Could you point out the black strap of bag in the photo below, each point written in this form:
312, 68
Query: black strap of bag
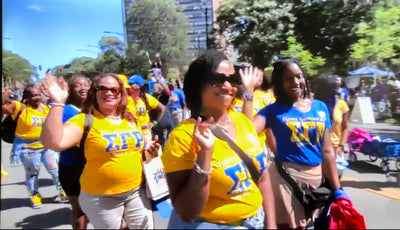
86, 129
221, 134
299, 193
310, 199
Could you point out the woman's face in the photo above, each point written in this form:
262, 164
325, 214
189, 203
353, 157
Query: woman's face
221, 88
80, 89
35, 96
108, 93
293, 81
134, 91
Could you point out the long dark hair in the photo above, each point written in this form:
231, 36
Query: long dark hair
91, 102
196, 77
277, 79
324, 90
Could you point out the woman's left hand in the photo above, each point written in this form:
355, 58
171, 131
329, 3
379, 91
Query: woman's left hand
153, 148
250, 78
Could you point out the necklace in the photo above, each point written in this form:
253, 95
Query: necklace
225, 126
114, 117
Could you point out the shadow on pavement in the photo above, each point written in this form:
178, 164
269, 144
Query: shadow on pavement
375, 185
365, 167
10, 203
46, 220
43, 182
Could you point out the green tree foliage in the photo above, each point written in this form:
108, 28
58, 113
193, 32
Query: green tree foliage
307, 60
327, 29
15, 67
258, 28
379, 42
136, 61
160, 27
111, 43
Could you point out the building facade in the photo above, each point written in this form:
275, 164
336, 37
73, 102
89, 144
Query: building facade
201, 15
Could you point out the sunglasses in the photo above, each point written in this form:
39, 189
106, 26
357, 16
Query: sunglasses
114, 90
218, 79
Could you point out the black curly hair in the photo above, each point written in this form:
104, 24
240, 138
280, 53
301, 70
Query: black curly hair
196, 78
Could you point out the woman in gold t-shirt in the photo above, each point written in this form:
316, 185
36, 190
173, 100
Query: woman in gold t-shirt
111, 181
210, 186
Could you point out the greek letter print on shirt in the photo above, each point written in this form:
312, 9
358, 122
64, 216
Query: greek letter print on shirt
113, 155
300, 133
233, 195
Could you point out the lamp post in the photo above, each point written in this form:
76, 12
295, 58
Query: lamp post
205, 5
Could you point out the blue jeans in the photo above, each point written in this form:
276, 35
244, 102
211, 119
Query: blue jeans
255, 222
31, 159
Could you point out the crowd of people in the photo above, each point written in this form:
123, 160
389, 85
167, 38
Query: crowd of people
221, 159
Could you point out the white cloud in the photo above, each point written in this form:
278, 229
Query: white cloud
35, 7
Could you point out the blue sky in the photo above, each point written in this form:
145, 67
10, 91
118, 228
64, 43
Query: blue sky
54, 32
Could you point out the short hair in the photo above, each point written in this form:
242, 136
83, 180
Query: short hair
196, 78
71, 85
91, 102
277, 79
27, 92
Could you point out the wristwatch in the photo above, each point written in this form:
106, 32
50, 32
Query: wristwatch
248, 97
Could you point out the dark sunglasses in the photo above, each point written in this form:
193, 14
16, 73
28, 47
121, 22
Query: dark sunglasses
114, 90
218, 79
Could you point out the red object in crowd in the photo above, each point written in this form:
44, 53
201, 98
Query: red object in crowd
343, 215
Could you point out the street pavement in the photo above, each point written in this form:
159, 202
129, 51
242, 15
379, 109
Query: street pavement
376, 194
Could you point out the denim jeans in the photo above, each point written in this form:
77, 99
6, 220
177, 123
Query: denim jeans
255, 222
32, 159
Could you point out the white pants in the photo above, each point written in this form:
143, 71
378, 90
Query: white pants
107, 211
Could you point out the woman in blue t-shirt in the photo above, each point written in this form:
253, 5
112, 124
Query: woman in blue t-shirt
297, 133
71, 162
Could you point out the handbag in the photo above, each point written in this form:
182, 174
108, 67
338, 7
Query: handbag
311, 199
156, 180
8, 127
221, 134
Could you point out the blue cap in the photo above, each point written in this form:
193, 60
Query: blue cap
136, 79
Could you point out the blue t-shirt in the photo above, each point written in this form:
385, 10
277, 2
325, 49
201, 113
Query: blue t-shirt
299, 135
68, 156
178, 94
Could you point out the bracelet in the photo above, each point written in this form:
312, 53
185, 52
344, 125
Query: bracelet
199, 170
57, 104
248, 96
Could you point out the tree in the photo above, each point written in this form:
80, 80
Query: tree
113, 44
307, 60
379, 42
160, 27
15, 67
327, 29
136, 61
258, 28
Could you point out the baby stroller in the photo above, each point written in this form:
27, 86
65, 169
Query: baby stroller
375, 147
355, 141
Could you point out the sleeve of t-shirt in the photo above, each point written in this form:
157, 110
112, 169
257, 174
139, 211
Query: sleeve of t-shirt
321, 106
264, 114
78, 120
179, 152
18, 107
68, 113
153, 102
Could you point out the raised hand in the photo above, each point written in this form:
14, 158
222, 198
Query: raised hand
56, 88
203, 135
250, 78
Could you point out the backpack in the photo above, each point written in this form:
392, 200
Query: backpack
8, 126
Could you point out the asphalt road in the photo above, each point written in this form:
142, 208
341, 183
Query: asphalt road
376, 194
